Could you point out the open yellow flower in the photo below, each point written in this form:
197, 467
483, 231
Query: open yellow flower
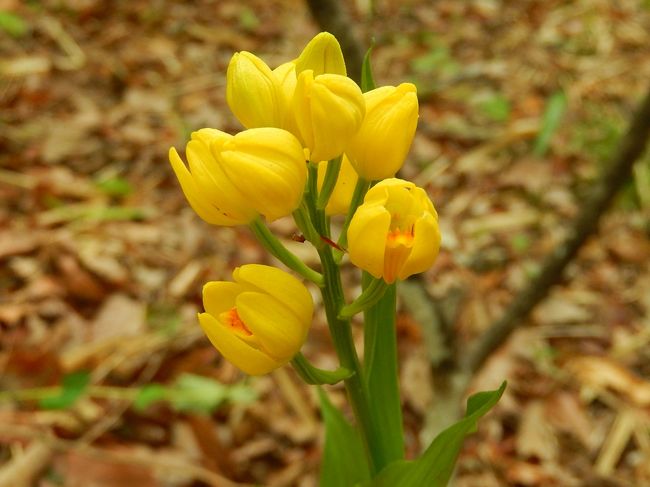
395, 232
260, 321
378, 149
253, 92
232, 179
329, 109
339, 201
322, 55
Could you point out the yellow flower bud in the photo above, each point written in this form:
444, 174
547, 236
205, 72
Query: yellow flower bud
268, 165
322, 55
207, 188
286, 76
260, 321
342, 195
329, 110
379, 148
395, 232
232, 179
254, 93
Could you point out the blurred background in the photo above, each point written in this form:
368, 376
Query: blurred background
105, 376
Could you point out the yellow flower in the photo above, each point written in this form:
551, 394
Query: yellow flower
232, 179
329, 109
253, 92
342, 195
286, 76
260, 321
322, 55
207, 188
379, 148
395, 232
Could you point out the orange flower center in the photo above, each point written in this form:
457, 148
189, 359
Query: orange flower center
233, 320
398, 249
398, 237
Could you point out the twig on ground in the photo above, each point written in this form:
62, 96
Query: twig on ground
585, 224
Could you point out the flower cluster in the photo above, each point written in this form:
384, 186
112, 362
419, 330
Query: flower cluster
313, 145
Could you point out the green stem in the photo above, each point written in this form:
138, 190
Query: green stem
360, 190
331, 175
317, 215
370, 295
355, 385
275, 247
314, 375
303, 222
341, 332
38, 393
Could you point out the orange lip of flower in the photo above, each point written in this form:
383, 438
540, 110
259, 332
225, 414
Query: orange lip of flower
233, 320
398, 237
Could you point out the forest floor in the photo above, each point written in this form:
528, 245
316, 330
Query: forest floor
102, 261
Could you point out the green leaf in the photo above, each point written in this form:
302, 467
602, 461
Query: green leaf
196, 393
367, 81
149, 394
435, 466
380, 368
193, 393
13, 24
72, 387
344, 461
248, 20
115, 187
555, 108
496, 107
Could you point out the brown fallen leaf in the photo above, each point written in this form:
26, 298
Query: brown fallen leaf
604, 373
78, 281
15, 242
565, 412
24, 468
119, 316
536, 437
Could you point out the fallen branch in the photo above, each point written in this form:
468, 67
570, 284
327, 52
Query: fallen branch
585, 224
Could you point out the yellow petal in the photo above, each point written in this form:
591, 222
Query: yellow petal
286, 75
329, 110
281, 286
273, 324
196, 197
322, 55
216, 186
367, 238
220, 296
270, 163
426, 244
208, 136
240, 354
253, 92
381, 145
337, 110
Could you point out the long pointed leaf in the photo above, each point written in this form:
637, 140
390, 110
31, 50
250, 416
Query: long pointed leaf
344, 460
435, 466
367, 81
380, 368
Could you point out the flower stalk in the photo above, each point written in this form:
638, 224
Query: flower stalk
275, 247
